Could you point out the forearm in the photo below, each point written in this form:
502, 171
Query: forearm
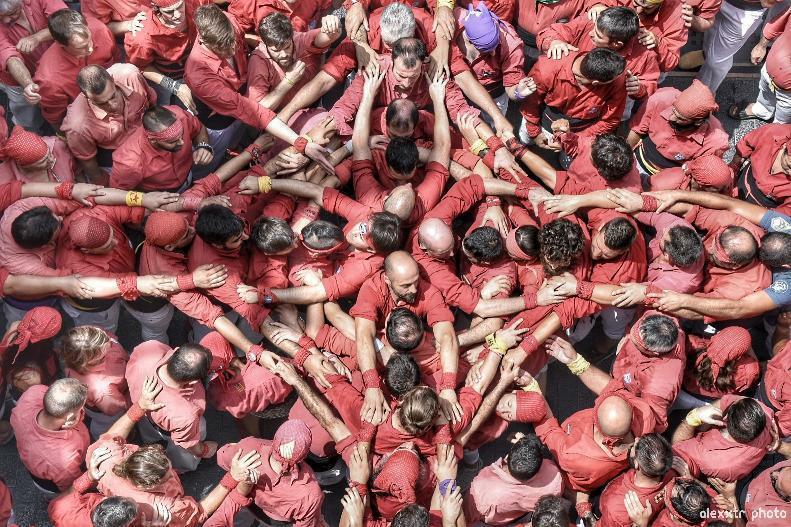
702, 25
683, 432
17, 69
490, 366
476, 334
485, 411
440, 151
232, 334
302, 295
721, 308
365, 332
119, 28
310, 93
499, 307
321, 410
362, 128
281, 130
272, 99
595, 379
633, 138
213, 500
712, 200
153, 75
447, 347
475, 92
342, 321
299, 188
20, 286
540, 168
42, 36
314, 319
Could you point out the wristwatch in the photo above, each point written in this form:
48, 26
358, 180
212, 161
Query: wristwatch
205, 146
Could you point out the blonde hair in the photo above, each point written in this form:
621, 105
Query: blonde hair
145, 468
82, 345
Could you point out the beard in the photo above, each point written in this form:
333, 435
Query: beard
409, 298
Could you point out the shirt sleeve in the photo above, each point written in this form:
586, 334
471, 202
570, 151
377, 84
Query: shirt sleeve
569, 32
780, 289
459, 199
367, 305
230, 506
366, 186
775, 28
342, 61
7, 49
346, 108
429, 191
348, 281
337, 203
259, 78
774, 221
10, 193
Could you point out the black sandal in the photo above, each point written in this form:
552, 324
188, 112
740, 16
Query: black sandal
738, 112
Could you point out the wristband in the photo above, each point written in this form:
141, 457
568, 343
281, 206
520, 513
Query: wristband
301, 142
255, 152
579, 365
135, 413
532, 387
584, 289
264, 184
477, 146
300, 358
306, 343
516, 147
530, 298
190, 202
487, 156
448, 381
176, 87
450, 4
228, 481
649, 302
492, 201
495, 344
205, 146
254, 353
371, 379
583, 509
523, 190
530, 344
134, 199
64, 190
650, 203
204, 451
446, 486
266, 296
692, 418
127, 284
185, 282
494, 143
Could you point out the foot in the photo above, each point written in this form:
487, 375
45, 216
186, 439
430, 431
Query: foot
742, 112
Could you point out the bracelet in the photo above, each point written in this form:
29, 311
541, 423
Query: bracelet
448, 381
264, 184
254, 353
693, 419
532, 387
371, 379
176, 87
579, 365
494, 143
64, 190
185, 282
584, 289
516, 147
167, 83
127, 284
583, 509
495, 344
254, 151
306, 343
301, 142
228, 481
205, 146
135, 413
300, 358
530, 298
134, 199
267, 297
477, 146
650, 203
450, 4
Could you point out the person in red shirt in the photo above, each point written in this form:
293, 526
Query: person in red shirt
587, 89
121, 16
532, 16
155, 156
769, 491
685, 501
78, 43
303, 15
707, 173
286, 60
24, 37
764, 181
31, 158
674, 126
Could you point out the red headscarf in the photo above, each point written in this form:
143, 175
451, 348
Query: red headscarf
530, 407
25, 148
89, 233
636, 339
696, 102
40, 323
165, 228
727, 345
513, 248
710, 171
171, 133
395, 485
291, 445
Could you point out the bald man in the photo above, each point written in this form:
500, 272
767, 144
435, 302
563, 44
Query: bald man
400, 285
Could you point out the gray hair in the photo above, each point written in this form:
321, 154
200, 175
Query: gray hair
398, 21
65, 396
9, 5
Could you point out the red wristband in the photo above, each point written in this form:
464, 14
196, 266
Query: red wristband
204, 452
583, 508
530, 298
191, 202
185, 282
300, 358
516, 147
584, 289
448, 381
488, 159
228, 481
127, 284
650, 203
254, 353
255, 152
135, 413
494, 143
371, 379
300, 143
649, 302
523, 190
83, 483
306, 343
64, 190
492, 201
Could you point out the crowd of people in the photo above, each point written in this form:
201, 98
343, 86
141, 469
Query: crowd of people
395, 267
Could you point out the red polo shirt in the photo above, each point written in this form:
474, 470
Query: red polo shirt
249, 13
761, 146
631, 266
762, 499
533, 16
777, 387
107, 390
252, 389
36, 13
72, 509
107, 11
778, 61
661, 273
611, 502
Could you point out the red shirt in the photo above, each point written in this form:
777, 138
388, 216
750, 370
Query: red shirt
668, 27
533, 16
230, 506
778, 60
57, 71
218, 83
557, 87
777, 386
107, 390
710, 454
108, 11
5, 503
639, 60
631, 266
249, 13
611, 502
183, 407
661, 273
36, 12
138, 165
762, 498
56, 455
761, 146
74, 508
88, 127
583, 177
252, 389
746, 374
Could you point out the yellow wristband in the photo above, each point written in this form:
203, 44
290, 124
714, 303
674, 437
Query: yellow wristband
134, 199
264, 184
496, 345
308, 138
478, 146
450, 4
532, 387
579, 365
693, 419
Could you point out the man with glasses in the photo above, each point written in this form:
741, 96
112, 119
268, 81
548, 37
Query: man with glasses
770, 492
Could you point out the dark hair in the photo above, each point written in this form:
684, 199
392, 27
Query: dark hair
412, 50
190, 362
321, 234
602, 65
214, 27
276, 30
402, 374
659, 333
93, 79
404, 330
745, 419
411, 516
692, 500
684, 246
217, 224
402, 114
157, 118
726, 377
619, 233
386, 235
272, 235
418, 409
484, 244
612, 156
402, 155
550, 511
525, 458
527, 238
654, 455
618, 23
115, 511
731, 240
561, 241
34, 228
775, 249
64, 23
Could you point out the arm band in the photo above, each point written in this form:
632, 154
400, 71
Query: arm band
371, 379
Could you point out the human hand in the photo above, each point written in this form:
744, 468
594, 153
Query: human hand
561, 349
504, 160
31, 94
562, 204
156, 200
444, 25
282, 333
559, 49
496, 216
639, 515
436, 86
151, 389
319, 368
632, 84
209, 276
495, 286
512, 335
629, 295
758, 54
309, 277
323, 132
666, 198
98, 456
626, 201
561, 126
547, 142
331, 26
223, 201
159, 286
359, 464
669, 301
595, 11
525, 88
202, 156
466, 125
289, 161
646, 38
681, 467
447, 464
565, 284
136, 24
449, 405
547, 295
249, 186
319, 154
82, 191
287, 371
27, 44
353, 504
710, 415
294, 72
374, 409
687, 14
247, 293
242, 464
438, 62
450, 504
355, 19
184, 94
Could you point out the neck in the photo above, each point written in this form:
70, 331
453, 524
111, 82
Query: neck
167, 380
641, 480
48, 422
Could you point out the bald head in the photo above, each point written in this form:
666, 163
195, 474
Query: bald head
402, 275
401, 201
401, 117
615, 416
739, 244
65, 396
435, 236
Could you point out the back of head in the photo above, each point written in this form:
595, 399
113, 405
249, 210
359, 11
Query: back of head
618, 23
65, 396
484, 244
402, 154
397, 22
402, 374
144, 468
561, 242
739, 244
550, 511
65, 23
114, 512
217, 224
272, 235
34, 228
411, 516
684, 246
527, 239
659, 333
276, 30
654, 455
214, 27
321, 235
611, 154
401, 201
690, 500
613, 416
404, 330
418, 409
525, 458
190, 362
745, 419
158, 118
602, 65
619, 233
93, 79
401, 115
82, 345
775, 249
386, 235
410, 51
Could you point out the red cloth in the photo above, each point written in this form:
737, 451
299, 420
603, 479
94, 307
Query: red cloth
89, 233
112, 10
631, 266
107, 389
710, 454
351, 272
611, 502
394, 486
253, 389
762, 498
696, 101
533, 16
291, 445
52, 455
88, 127
761, 147
74, 508
639, 60
668, 27
5, 503
557, 87
249, 13
777, 385
778, 60
745, 375
215, 82
64, 169
226, 512
36, 13
57, 71
25, 148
